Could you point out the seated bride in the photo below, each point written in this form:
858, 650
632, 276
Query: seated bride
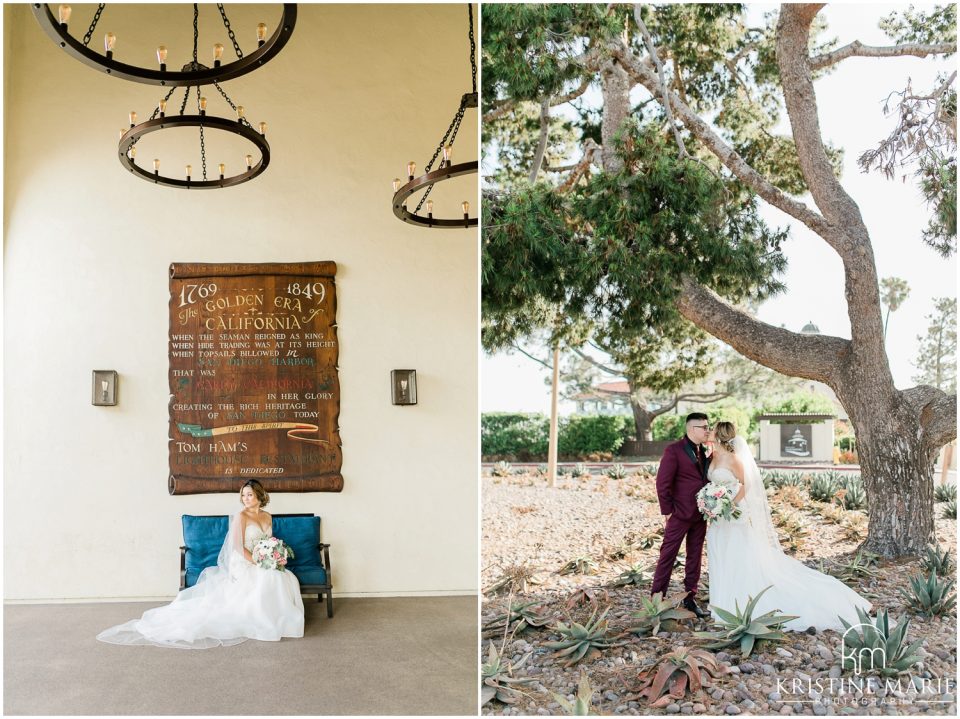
234, 601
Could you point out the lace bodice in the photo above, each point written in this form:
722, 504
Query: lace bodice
722, 475
251, 534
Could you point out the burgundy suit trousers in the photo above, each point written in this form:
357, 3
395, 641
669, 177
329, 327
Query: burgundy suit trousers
695, 530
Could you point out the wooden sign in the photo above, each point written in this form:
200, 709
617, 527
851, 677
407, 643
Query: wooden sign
254, 389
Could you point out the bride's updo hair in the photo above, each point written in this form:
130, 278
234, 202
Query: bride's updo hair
725, 432
258, 490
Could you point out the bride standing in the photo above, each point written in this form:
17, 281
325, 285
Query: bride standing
744, 554
231, 602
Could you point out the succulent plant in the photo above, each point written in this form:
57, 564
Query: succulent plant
832, 513
580, 706
945, 493
854, 526
515, 579
634, 575
950, 509
518, 619
792, 495
579, 470
929, 595
823, 487
651, 539
579, 565
937, 560
581, 641
497, 682
616, 471
656, 611
562, 470
862, 565
667, 681
542, 470
502, 469
778, 479
854, 496
743, 628
587, 595
873, 642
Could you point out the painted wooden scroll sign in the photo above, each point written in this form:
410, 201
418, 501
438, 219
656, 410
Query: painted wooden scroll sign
254, 389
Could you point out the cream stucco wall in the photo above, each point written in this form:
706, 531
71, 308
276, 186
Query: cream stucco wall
358, 91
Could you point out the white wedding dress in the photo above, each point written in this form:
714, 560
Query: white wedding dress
230, 603
744, 556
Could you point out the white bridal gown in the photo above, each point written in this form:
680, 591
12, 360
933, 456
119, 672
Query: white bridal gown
230, 603
744, 556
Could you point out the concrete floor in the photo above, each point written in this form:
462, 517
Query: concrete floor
398, 655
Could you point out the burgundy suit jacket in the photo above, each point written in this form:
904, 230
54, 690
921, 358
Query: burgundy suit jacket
679, 479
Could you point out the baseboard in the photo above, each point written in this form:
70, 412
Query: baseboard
336, 595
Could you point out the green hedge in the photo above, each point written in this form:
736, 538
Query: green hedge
523, 435
582, 434
526, 436
671, 426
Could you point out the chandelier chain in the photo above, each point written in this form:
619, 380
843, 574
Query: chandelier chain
473, 50
196, 35
93, 25
183, 105
203, 145
448, 138
230, 33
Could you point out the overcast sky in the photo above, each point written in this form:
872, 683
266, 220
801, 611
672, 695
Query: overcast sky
851, 117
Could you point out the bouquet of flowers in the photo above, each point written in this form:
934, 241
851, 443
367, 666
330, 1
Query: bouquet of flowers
271, 553
715, 501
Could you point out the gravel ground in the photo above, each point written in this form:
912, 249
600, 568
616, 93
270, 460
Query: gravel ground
530, 531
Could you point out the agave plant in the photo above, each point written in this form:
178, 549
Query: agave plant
518, 618
950, 509
542, 470
616, 471
832, 513
862, 565
634, 575
937, 560
743, 628
945, 493
579, 470
497, 682
579, 565
823, 487
657, 611
591, 596
873, 643
854, 526
668, 679
562, 470
581, 641
929, 595
854, 497
651, 539
502, 469
580, 706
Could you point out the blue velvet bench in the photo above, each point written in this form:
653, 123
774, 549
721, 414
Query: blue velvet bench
203, 537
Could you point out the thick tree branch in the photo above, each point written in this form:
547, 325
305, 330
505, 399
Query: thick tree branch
816, 357
573, 94
726, 154
937, 411
542, 144
849, 236
858, 49
590, 149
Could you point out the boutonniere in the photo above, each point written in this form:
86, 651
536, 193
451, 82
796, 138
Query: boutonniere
708, 449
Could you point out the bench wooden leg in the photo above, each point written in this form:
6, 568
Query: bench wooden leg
329, 604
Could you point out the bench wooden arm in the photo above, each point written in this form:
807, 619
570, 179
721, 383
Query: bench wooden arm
183, 568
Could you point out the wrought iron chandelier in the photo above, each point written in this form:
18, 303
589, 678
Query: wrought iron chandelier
191, 77
445, 170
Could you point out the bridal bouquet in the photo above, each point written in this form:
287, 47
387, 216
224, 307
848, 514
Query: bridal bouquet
715, 501
271, 553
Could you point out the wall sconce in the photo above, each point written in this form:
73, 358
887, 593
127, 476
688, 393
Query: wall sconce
403, 385
104, 387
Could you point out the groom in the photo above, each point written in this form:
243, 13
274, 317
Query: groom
682, 473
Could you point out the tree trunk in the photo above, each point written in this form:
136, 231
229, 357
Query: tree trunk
554, 422
897, 466
642, 419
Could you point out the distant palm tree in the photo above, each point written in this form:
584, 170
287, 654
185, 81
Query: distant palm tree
895, 292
